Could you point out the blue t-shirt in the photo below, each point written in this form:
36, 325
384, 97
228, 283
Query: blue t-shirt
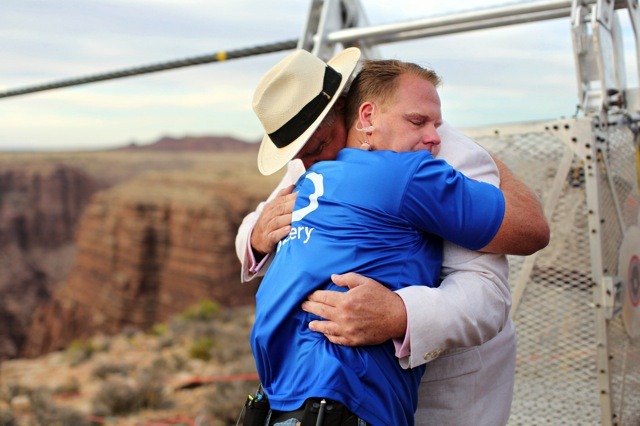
382, 214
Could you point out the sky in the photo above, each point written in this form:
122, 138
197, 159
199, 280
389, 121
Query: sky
503, 75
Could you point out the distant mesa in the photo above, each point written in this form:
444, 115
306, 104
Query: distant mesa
192, 143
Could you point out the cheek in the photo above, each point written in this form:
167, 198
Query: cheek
410, 143
403, 139
383, 139
325, 155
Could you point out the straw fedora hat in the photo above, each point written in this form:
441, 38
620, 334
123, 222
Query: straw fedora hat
293, 98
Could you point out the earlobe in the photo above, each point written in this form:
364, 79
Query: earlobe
368, 129
365, 117
364, 125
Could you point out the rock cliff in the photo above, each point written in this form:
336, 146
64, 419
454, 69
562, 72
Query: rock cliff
40, 205
146, 250
98, 241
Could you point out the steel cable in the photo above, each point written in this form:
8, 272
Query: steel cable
146, 69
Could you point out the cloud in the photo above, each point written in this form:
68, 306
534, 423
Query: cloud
501, 74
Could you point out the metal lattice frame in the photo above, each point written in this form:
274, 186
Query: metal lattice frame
575, 365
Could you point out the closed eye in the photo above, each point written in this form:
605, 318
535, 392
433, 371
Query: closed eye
416, 119
317, 151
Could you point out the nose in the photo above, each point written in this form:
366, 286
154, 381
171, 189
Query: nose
431, 136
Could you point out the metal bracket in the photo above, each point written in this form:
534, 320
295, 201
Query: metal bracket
328, 16
599, 56
612, 296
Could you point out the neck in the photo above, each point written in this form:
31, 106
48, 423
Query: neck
354, 138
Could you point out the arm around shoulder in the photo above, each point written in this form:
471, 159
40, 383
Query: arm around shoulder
524, 228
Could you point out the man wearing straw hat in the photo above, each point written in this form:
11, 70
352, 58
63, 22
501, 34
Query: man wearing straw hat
271, 160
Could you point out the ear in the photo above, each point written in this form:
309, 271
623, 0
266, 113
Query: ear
365, 114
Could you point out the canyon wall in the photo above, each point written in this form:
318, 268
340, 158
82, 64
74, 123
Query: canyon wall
146, 250
40, 205
93, 242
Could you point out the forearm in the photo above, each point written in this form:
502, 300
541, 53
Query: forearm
524, 229
468, 309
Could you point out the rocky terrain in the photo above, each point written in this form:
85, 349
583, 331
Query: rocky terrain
97, 243
196, 369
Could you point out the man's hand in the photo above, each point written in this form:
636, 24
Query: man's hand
367, 314
274, 223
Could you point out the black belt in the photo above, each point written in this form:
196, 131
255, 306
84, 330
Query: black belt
317, 411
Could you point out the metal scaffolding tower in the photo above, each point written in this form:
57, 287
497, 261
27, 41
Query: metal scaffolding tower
576, 303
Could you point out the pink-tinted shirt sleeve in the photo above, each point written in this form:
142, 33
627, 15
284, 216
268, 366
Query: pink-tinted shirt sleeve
253, 266
403, 348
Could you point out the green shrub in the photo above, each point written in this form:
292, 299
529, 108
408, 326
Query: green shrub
6, 416
114, 398
70, 386
9, 390
150, 390
159, 330
104, 370
79, 351
48, 413
118, 397
205, 310
201, 348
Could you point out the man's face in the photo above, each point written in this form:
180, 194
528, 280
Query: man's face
324, 144
410, 120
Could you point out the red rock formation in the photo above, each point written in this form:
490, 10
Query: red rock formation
194, 143
147, 250
40, 204
39, 208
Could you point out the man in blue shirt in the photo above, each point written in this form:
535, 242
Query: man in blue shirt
378, 213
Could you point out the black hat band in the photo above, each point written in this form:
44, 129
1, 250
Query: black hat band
300, 122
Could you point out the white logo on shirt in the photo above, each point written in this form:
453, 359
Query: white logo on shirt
304, 232
318, 185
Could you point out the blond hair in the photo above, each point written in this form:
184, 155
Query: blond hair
378, 82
